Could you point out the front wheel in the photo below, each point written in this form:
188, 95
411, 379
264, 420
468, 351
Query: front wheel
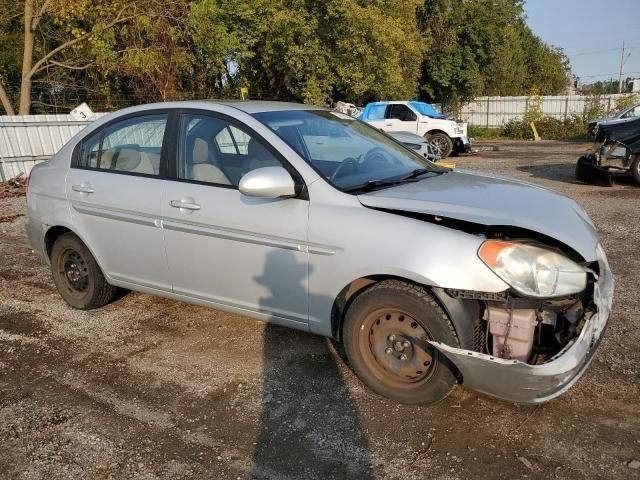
635, 169
386, 336
77, 274
442, 143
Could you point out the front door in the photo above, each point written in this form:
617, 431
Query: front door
242, 253
115, 190
400, 118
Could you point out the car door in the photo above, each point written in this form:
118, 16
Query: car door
400, 118
115, 190
375, 113
242, 253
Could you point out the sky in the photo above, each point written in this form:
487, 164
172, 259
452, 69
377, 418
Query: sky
591, 33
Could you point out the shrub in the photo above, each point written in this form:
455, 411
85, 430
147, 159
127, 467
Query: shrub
549, 128
477, 132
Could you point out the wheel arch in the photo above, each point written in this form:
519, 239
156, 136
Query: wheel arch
437, 130
55, 231
464, 314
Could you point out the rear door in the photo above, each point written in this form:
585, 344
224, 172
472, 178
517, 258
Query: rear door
115, 188
242, 253
400, 118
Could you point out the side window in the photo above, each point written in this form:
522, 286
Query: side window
376, 112
90, 151
401, 112
215, 151
232, 140
134, 145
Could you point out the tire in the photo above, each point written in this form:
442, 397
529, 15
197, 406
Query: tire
77, 275
393, 312
441, 142
635, 169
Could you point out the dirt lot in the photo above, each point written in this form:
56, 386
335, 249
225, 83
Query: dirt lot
152, 388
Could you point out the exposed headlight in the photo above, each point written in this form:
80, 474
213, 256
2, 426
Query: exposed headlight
533, 271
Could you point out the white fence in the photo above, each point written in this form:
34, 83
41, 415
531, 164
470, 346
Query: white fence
496, 111
28, 139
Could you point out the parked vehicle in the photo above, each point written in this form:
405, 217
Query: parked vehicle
311, 219
631, 112
447, 136
615, 152
420, 144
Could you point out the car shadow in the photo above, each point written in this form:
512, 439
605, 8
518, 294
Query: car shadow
560, 172
302, 434
565, 172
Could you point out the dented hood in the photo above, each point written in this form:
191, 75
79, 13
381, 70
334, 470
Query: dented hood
493, 201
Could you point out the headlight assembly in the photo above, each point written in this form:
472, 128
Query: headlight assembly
533, 271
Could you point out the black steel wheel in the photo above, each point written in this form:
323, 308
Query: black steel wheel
77, 276
386, 336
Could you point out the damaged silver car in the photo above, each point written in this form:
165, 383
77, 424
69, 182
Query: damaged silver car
311, 219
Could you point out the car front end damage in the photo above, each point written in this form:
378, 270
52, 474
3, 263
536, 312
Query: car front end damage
614, 153
534, 349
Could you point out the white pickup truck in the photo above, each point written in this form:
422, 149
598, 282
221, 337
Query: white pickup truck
447, 136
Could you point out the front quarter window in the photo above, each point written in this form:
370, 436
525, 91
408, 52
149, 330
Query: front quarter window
347, 152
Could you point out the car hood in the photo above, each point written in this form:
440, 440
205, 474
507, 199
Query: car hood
493, 201
407, 137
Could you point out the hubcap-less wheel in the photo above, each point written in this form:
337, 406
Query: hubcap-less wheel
77, 275
74, 273
396, 348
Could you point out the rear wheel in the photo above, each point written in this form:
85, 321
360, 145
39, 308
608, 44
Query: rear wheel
386, 336
77, 274
442, 143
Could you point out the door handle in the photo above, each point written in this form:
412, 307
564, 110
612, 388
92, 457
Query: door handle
82, 188
388, 124
185, 205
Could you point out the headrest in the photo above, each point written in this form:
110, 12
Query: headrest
126, 159
200, 151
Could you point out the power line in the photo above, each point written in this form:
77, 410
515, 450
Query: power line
595, 52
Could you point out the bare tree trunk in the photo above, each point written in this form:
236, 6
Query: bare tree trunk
4, 100
27, 59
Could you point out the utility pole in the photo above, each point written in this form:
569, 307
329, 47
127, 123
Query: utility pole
621, 67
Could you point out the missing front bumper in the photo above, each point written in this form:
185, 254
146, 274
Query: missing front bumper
520, 382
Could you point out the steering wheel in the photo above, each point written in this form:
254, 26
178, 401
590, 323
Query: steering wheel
343, 164
378, 153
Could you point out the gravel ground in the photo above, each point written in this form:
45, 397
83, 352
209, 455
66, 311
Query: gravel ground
152, 388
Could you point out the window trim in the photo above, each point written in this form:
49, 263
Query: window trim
174, 154
76, 156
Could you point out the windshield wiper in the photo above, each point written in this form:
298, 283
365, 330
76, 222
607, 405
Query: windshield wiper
415, 174
370, 185
388, 182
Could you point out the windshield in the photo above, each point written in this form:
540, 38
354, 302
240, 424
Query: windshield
346, 151
425, 109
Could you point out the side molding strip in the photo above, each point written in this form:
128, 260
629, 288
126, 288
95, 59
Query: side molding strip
120, 215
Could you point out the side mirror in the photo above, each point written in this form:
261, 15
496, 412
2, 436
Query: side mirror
268, 182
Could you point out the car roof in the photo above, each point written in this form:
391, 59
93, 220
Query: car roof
259, 106
247, 106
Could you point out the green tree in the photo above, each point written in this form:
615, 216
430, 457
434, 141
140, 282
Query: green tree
484, 47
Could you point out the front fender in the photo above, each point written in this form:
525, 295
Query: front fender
368, 243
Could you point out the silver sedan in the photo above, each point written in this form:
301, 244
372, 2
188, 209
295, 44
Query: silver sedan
309, 218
